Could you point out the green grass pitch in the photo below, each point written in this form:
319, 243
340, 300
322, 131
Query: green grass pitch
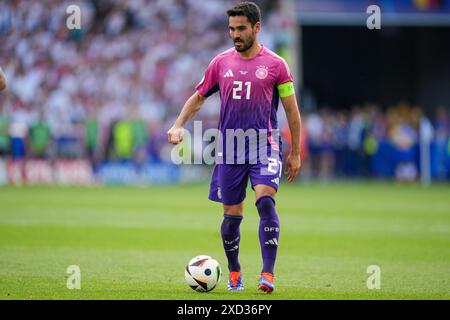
134, 243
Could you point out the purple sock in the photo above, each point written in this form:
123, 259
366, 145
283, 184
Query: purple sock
231, 238
269, 232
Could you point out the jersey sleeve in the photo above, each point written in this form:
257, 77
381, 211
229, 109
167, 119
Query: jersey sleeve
210, 81
285, 80
284, 73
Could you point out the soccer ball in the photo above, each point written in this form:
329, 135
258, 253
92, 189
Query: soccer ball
203, 273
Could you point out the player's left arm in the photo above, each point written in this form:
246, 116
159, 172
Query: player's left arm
289, 101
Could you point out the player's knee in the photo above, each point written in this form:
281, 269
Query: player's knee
265, 205
236, 210
264, 190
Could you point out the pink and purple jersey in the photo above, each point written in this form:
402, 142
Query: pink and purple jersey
249, 90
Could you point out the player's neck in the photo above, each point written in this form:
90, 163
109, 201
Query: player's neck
252, 51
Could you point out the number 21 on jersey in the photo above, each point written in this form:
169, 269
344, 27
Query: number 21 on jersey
237, 89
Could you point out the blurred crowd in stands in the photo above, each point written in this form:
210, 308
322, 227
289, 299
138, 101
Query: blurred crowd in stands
111, 90
370, 141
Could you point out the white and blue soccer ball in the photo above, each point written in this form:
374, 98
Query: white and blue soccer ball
203, 273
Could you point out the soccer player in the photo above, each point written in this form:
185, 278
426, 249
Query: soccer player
2, 80
251, 79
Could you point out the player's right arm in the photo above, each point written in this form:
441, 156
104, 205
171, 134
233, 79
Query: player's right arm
190, 109
207, 86
2, 80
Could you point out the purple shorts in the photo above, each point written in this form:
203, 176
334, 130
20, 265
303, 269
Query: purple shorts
229, 181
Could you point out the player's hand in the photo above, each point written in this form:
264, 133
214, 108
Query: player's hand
175, 135
292, 166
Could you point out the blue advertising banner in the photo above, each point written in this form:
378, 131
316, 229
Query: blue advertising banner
388, 6
393, 12
119, 173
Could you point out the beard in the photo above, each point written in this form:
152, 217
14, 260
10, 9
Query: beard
242, 45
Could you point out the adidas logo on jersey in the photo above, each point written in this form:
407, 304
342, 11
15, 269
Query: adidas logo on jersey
276, 181
229, 74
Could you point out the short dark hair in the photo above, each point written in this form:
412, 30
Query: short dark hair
247, 9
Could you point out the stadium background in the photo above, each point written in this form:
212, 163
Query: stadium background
108, 93
91, 107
